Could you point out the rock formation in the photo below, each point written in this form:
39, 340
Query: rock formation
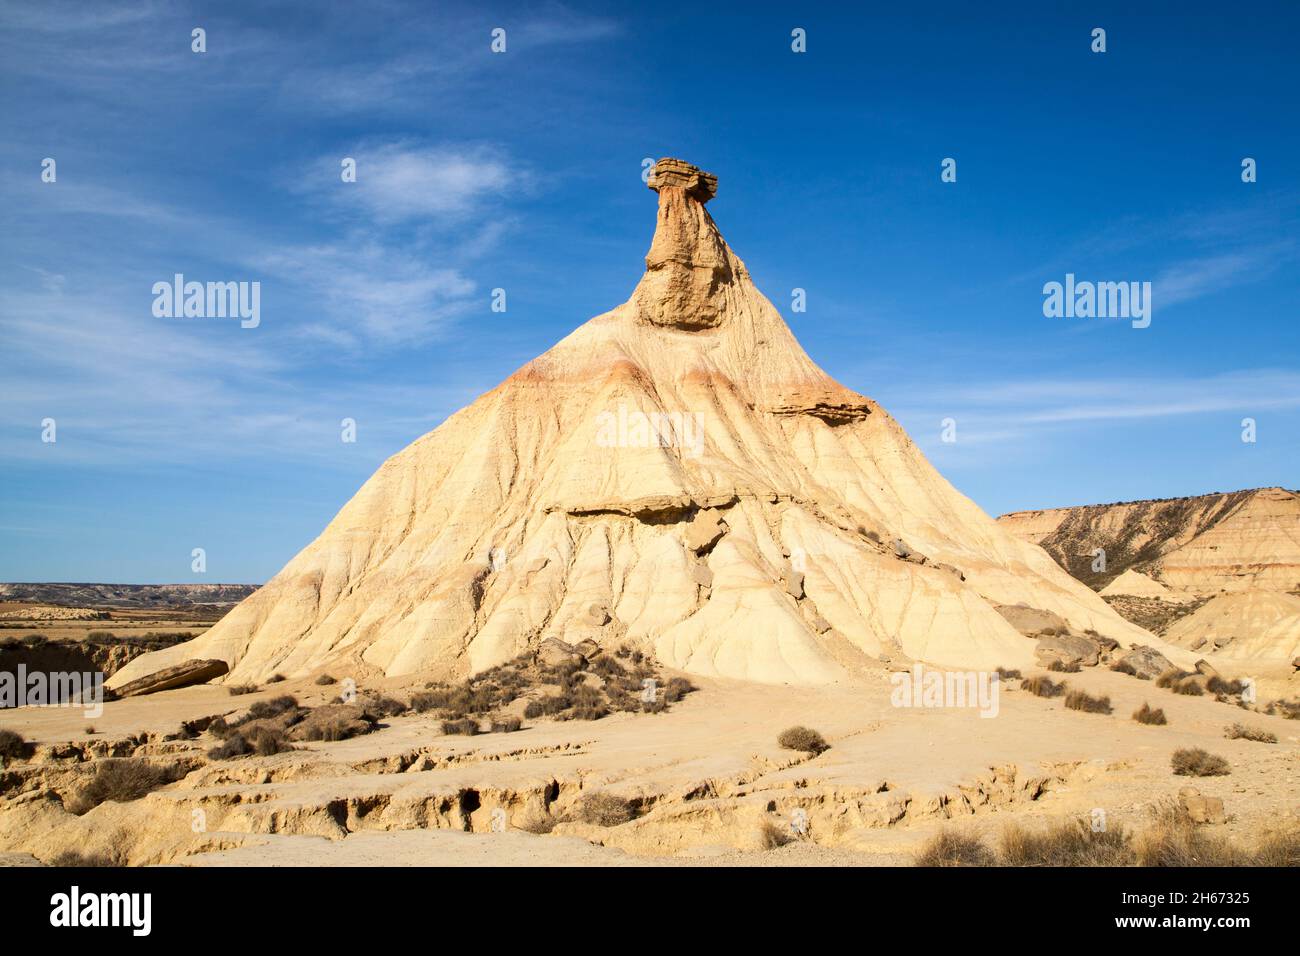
680, 466
1215, 573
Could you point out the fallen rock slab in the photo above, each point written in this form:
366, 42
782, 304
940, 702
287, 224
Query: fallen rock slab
169, 678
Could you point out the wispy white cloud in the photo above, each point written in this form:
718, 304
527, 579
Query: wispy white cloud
400, 181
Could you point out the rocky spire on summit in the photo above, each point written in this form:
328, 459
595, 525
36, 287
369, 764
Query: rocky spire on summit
680, 174
688, 265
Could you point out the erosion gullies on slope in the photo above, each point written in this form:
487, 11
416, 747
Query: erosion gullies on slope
680, 465
1216, 573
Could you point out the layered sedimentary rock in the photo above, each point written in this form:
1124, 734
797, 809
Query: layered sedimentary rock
1219, 573
676, 474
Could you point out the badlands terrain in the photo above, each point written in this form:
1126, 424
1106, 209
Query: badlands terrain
1218, 574
649, 602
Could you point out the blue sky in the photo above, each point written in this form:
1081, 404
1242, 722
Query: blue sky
522, 171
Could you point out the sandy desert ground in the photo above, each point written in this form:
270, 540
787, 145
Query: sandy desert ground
702, 779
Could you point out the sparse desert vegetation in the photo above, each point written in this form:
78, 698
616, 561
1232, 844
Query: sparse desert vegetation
605, 810
13, 746
560, 681
1042, 686
121, 781
950, 848
1170, 839
1146, 714
803, 738
1081, 700
1242, 732
1196, 762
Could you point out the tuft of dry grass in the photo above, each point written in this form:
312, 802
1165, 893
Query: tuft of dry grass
1124, 667
1195, 762
678, 687
276, 679
1190, 687
1171, 839
75, 858
802, 738
1067, 843
605, 810
1242, 732
262, 741
1146, 714
325, 680
1174, 840
771, 836
1061, 667
238, 690
1042, 686
1006, 673
949, 848
506, 725
1080, 700
1172, 677
466, 726
119, 781
266, 709
1217, 685
13, 746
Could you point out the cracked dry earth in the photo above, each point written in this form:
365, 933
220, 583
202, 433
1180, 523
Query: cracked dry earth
702, 778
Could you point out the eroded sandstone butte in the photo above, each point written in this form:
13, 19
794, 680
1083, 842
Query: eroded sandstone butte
676, 473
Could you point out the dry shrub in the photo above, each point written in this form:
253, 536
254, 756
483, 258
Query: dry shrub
1242, 732
1217, 685
1195, 762
75, 858
1042, 686
506, 725
1005, 673
334, 722
1172, 677
1146, 714
1067, 843
262, 741
538, 823
802, 738
1062, 667
678, 687
1124, 667
13, 746
238, 690
1279, 849
234, 745
377, 706
771, 836
1190, 687
466, 726
265, 709
949, 848
276, 679
1080, 700
325, 680
119, 781
1174, 840
605, 810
